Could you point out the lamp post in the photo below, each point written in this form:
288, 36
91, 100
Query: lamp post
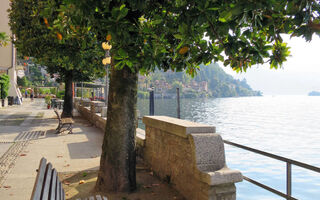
106, 61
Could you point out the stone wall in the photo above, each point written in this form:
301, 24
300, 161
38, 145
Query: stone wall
88, 110
190, 156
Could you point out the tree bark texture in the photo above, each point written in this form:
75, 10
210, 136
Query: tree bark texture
68, 97
118, 159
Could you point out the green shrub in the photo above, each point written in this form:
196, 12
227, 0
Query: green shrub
4, 84
47, 99
22, 91
53, 91
24, 82
60, 94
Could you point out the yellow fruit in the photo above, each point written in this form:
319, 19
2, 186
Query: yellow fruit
46, 22
72, 28
183, 50
59, 36
108, 37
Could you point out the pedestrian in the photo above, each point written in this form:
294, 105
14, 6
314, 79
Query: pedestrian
26, 94
31, 95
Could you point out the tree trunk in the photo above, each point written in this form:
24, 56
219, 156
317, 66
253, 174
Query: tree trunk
68, 97
118, 159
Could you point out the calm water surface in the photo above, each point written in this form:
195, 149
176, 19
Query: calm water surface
284, 125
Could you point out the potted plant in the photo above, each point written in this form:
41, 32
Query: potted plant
47, 99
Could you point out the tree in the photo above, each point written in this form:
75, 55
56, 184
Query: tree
4, 85
180, 35
24, 82
175, 85
71, 52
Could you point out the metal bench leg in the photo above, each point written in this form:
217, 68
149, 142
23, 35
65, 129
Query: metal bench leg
58, 126
58, 129
70, 129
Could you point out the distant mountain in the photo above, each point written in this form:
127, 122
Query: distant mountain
210, 81
314, 93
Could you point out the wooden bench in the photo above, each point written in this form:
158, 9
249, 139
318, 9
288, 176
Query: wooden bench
64, 122
48, 186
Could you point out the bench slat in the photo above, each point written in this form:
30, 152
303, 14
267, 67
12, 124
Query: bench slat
63, 195
53, 185
58, 189
61, 190
36, 193
47, 181
49, 187
98, 197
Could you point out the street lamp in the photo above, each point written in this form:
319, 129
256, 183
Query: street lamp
106, 61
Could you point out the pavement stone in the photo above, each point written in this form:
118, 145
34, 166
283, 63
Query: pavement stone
67, 152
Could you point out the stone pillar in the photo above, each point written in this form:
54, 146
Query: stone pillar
96, 106
191, 157
104, 111
85, 102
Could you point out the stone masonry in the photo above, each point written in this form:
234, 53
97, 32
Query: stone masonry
191, 157
90, 113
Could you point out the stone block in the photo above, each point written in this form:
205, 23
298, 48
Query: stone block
191, 155
77, 99
177, 126
85, 102
95, 106
104, 111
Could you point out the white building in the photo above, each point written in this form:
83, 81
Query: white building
8, 53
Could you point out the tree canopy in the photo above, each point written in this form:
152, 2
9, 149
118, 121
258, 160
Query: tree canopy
39, 37
74, 58
149, 34
183, 34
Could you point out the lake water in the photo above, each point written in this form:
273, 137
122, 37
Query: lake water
284, 125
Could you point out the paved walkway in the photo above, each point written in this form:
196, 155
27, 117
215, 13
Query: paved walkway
27, 134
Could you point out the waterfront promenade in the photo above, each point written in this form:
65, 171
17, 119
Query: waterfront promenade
27, 134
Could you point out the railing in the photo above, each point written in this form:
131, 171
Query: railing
289, 163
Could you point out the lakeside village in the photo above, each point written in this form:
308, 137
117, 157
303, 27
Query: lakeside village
210, 81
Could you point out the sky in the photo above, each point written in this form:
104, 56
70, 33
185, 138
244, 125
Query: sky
299, 75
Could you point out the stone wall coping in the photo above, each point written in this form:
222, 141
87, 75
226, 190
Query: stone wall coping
85, 100
176, 126
98, 103
141, 134
222, 176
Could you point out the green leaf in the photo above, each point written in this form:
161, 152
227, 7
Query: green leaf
225, 16
122, 6
213, 8
122, 53
156, 22
129, 63
178, 36
123, 13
